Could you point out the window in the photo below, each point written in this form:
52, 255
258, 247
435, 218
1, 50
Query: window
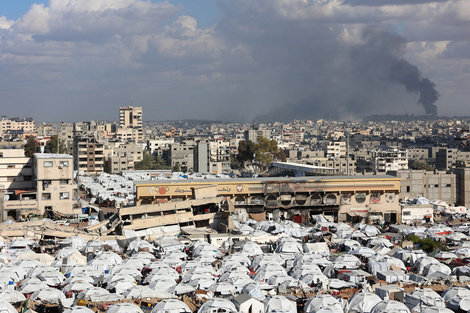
46, 184
11, 166
48, 163
406, 213
64, 163
64, 181
64, 195
28, 178
360, 197
46, 196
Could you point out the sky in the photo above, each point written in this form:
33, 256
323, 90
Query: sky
234, 60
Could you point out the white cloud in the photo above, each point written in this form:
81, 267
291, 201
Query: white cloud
261, 55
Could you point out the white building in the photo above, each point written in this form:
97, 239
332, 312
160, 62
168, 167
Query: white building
386, 159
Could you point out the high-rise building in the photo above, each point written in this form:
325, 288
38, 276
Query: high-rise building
131, 118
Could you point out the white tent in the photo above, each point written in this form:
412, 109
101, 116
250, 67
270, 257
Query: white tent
454, 292
437, 310
215, 304
12, 296
277, 303
124, 308
139, 292
323, 301
78, 309
50, 295
171, 306
247, 304
363, 302
6, 307
390, 306
461, 304
422, 298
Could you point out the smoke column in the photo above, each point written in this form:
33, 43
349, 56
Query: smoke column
401, 71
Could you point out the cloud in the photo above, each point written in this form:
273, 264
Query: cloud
266, 58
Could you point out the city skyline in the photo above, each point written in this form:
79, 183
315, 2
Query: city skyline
232, 60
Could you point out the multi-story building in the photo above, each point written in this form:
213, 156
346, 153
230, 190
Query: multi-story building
254, 134
122, 157
131, 118
446, 158
15, 170
336, 149
159, 144
57, 191
16, 127
181, 155
88, 150
212, 157
386, 159
433, 185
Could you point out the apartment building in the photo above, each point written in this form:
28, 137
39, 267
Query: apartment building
88, 155
212, 157
182, 155
385, 159
446, 157
336, 149
12, 127
131, 118
159, 144
433, 185
88, 150
122, 156
56, 189
16, 171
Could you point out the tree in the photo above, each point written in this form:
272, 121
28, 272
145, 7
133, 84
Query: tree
30, 147
51, 146
151, 162
422, 165
246, 152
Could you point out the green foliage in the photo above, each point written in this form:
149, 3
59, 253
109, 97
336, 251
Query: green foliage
30, 147
263, 153
422, 165
176, 167
427, 244
246, 152
151, 162
51, 146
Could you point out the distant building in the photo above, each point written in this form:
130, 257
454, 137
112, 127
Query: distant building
389, 159
182, 155
336, 149
122, 157
88, 150
15, 127
432, 185
131, 118
254, 134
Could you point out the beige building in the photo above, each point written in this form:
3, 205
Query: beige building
89, 155
56, 189
122, 156
12, 125
131, 118
336, 149
15, 170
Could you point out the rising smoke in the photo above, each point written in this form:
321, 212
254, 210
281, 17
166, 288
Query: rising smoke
373, 78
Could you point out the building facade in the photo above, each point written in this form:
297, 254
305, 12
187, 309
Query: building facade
338, 198
57, 191
131, 118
